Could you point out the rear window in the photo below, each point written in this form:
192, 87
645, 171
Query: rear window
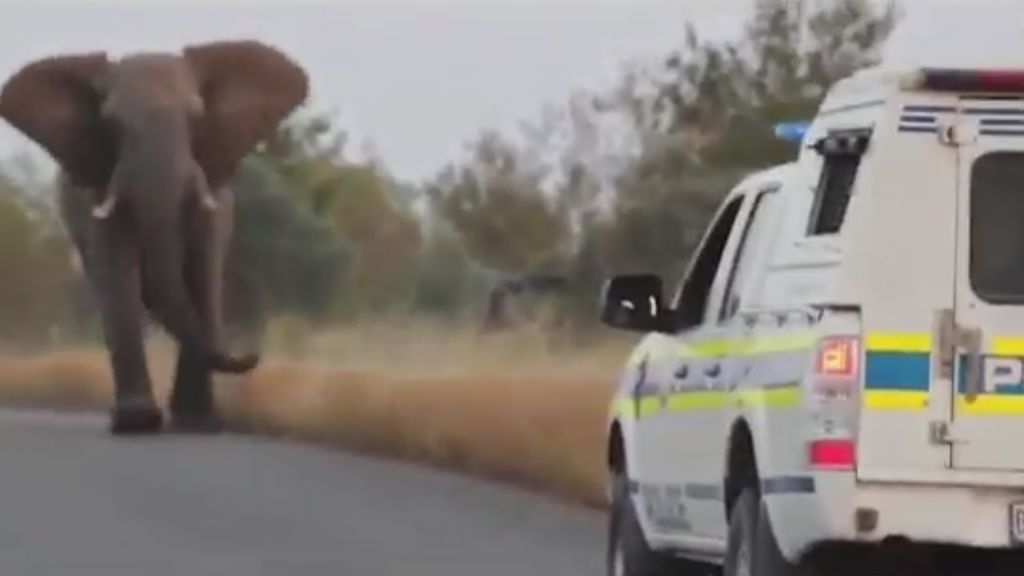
997, 227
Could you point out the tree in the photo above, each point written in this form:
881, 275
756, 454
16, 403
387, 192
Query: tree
712, 114
496, 204
361, 203
283, 259
35, 264
448, 281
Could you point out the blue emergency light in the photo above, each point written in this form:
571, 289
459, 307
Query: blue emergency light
792, 131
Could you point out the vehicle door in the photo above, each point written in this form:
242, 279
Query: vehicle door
692, 386
987, 326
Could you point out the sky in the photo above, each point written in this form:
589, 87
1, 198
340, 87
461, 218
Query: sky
418, 78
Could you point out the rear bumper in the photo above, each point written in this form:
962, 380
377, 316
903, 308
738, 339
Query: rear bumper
950, 516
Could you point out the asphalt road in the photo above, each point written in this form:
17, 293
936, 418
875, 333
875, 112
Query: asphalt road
76, 501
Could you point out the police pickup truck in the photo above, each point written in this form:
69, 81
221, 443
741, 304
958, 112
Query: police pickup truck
838, 382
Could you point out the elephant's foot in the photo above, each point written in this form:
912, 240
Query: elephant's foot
136, 418
234, 364
205, 422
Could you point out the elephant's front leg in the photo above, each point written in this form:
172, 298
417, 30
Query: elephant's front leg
115, 274
192, 403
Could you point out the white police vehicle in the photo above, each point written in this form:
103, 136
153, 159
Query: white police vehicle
838, 383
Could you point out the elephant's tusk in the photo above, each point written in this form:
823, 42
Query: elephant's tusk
103, 211
209, 202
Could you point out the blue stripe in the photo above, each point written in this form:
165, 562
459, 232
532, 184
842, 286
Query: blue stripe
1001, 390
918, 128
898, 371
787, 485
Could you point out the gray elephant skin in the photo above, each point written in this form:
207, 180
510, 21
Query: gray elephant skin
147, 146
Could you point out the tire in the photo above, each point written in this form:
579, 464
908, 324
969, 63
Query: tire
627, 551
752, 549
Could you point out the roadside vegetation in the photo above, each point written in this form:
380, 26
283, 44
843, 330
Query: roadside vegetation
453, 321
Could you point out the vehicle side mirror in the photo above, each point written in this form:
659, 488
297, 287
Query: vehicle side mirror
634, 302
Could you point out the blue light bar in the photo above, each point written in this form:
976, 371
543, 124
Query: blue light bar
792, 131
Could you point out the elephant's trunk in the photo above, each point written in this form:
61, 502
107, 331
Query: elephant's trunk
159, 207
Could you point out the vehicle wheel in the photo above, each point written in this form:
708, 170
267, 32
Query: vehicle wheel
628, 553
752, 549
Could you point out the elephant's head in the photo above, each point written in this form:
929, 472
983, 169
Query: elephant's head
220, 99
148, 128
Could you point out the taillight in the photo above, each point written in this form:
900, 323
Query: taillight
832, 454
833, 405
838, 359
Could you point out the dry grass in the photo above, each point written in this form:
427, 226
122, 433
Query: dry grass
517, 407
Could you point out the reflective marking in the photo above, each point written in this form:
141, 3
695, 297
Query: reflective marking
788, 485
691, 401
707, 492
899, 342
787, 395
992, 404
662, 349
1007, 346
895, 400
789, 343
898, 371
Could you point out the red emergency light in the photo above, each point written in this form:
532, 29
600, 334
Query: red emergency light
991, 81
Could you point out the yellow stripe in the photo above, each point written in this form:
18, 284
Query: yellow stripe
787, 397
922, 342
992, 404
791, 396
691, 401
711, 348
895, 400
626, 407
1007, 346
703, 349
787, 343
899, 341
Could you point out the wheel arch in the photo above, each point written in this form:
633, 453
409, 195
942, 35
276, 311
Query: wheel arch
741, 463
615, 457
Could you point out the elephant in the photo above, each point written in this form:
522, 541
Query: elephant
147, 146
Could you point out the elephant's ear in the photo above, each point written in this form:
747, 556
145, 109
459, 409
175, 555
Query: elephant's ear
248, 88
56, 102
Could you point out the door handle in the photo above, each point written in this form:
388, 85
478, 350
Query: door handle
971, 342
713, 370
950, 339
682, 372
